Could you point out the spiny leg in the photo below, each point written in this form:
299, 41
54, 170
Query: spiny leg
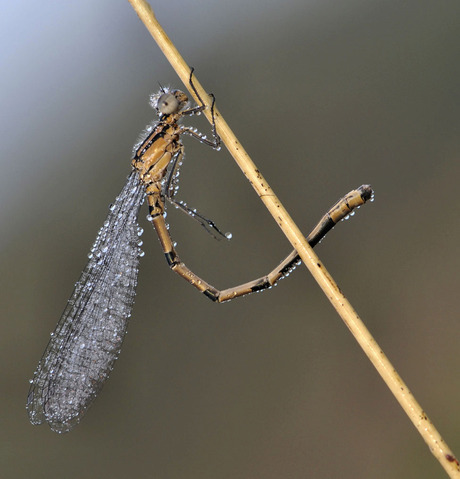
169, 190
340, 210
206, 223
192, 111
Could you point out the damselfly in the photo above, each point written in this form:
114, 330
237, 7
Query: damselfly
87, 340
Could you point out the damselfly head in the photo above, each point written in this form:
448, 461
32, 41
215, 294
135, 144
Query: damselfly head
168, 101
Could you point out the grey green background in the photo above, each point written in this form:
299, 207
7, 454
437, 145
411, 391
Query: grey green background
325, 95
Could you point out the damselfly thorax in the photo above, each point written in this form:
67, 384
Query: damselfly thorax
160, 147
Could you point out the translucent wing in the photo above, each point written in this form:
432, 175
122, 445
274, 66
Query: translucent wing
88, 337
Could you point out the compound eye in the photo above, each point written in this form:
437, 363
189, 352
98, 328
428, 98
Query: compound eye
167, 103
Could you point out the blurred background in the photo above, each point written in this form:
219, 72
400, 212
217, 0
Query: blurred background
325, 96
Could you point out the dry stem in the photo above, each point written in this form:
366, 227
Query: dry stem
407, 401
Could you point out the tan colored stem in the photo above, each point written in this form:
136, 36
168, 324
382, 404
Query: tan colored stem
407, 401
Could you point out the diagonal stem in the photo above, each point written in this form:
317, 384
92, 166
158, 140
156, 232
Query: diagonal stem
405, 398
